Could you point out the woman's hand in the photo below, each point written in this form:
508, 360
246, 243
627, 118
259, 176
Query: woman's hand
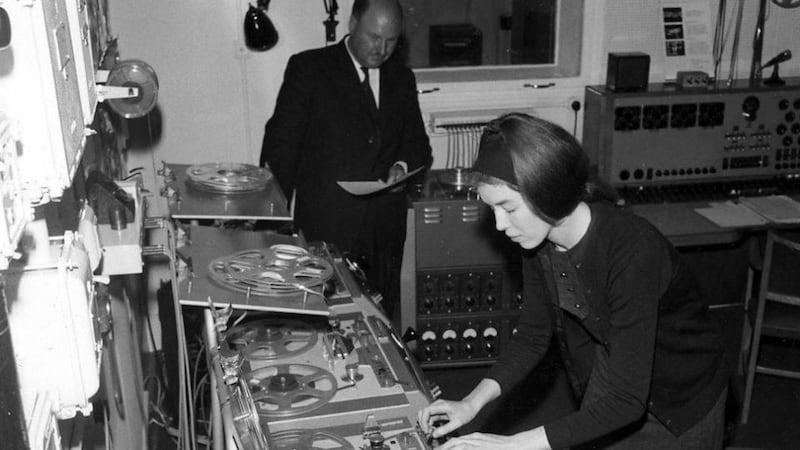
535, 439
454, 414
481, 441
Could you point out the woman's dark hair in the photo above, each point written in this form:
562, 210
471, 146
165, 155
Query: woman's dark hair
550, 169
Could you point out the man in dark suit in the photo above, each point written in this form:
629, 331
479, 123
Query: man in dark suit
349, 112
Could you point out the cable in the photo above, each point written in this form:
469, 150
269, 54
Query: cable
448, 162
719, 37
735, 47
159, 355
575, 106
239, 319
186, 435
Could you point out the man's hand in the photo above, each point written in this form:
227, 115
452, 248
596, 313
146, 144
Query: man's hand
395, 172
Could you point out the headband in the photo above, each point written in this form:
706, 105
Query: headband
494, 159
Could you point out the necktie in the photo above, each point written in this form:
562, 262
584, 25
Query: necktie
367, 88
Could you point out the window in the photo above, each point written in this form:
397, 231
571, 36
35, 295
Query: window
477, 40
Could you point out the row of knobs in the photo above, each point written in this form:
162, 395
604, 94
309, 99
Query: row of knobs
469, 335
450, 301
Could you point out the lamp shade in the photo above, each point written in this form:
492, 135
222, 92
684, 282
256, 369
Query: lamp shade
259, 32
5, 29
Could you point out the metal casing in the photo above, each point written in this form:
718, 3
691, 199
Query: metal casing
669, 136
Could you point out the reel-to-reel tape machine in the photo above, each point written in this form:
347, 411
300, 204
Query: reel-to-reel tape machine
232, 191
260, 271
328, 383
309, 360
343, 381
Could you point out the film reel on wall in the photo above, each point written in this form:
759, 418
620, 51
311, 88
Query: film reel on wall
269, 339
275, 271
287, 390
228, 178
130, 89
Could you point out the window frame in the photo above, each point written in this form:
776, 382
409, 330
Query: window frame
568, 56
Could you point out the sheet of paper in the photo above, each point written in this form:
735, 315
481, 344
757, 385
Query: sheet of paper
731, 214
370, 187
776, 208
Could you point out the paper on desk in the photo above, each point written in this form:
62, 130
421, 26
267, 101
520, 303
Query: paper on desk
776, 208
370, 187
731, 214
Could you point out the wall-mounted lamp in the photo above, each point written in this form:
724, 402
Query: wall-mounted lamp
5, 29
259, 32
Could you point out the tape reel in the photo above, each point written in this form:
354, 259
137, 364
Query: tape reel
228, 178
274, 271
136, 74
269, 339
309, 440
457, 178
286, 390
245, 418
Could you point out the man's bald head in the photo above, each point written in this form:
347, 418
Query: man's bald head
375, 27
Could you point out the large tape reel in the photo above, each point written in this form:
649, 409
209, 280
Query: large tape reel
278, 270
138, 74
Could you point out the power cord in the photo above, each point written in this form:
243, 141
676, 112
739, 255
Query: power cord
575, 106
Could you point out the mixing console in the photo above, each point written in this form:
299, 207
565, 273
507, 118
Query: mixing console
713, 143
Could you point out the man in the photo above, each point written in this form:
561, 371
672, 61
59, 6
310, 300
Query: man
329, 126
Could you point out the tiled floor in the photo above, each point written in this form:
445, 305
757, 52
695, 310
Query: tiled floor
774, 420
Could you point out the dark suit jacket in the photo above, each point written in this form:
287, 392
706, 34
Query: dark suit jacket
324, 131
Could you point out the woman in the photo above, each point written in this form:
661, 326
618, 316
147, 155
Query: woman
642, 352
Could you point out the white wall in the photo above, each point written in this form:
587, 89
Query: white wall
215, 95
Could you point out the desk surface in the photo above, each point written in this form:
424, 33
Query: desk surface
685, 227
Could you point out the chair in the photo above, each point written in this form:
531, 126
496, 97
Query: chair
777, 309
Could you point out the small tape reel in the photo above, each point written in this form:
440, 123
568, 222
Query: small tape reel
135, 74
285, 390
269, 339
228, 178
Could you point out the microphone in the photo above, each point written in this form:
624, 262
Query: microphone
779, 58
